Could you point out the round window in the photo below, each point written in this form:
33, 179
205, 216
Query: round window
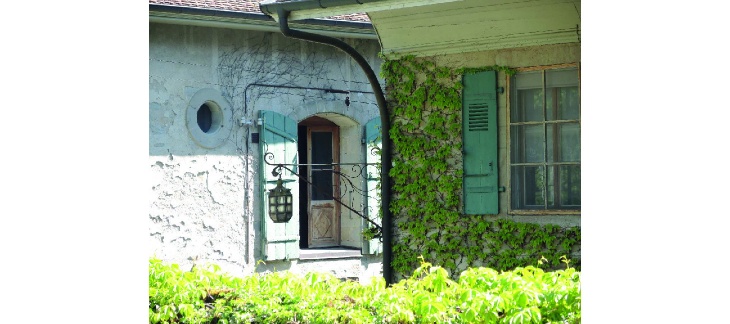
209, 118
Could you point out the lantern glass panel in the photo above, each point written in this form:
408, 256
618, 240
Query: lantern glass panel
280, 203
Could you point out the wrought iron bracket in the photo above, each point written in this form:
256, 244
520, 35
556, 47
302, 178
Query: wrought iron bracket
357, 170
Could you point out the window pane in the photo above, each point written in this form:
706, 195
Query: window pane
551, 143
551, 187
568, 104
565, 139
527, 143
566, 195
562, 94
569, 186
569, 142
322, 182
528, 80
527, 187
514, 145
561, 78
562, 103
528, 106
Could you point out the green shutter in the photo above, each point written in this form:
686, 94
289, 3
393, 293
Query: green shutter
372, 138
480, 143
278, 135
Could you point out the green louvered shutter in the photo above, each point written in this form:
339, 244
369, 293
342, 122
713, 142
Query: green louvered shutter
372, 139
480, 143
278, 135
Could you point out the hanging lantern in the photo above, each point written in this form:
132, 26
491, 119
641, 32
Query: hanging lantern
280, 203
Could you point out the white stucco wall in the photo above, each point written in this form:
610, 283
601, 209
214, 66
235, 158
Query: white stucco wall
204, 201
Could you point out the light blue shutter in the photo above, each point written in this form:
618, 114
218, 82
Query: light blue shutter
278, 135
372, 139
480, 143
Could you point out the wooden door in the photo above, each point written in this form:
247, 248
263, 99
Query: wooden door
324, 211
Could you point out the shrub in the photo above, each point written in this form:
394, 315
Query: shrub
481, 295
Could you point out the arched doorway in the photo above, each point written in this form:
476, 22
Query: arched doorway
319, 148
321, 140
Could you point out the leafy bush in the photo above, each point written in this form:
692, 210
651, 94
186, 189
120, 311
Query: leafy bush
481, 295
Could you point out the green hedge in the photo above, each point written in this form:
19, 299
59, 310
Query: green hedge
481, 295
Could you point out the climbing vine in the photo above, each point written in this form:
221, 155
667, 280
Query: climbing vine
425, 101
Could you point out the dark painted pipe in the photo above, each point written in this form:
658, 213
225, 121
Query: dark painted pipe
385, 131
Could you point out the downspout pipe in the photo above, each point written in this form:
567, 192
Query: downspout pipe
385, 130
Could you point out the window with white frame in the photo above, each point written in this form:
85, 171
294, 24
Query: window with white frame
544, 137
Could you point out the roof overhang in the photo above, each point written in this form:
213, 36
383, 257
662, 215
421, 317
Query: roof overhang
435, 27
312, 9
255, 21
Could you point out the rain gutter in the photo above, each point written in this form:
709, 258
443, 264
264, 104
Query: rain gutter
167, 14
282, 10
271, 8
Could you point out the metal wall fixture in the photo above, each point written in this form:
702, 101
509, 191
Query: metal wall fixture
346, 185
281, 203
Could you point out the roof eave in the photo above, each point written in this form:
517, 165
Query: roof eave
313, 9
254, 21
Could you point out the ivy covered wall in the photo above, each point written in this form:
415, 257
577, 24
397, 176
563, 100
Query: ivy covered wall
424, 99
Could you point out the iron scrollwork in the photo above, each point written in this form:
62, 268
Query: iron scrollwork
346, 185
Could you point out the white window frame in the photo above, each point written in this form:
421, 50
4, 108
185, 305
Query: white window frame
543, 210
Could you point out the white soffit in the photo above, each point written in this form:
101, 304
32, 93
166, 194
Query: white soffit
355, 8
476, 25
